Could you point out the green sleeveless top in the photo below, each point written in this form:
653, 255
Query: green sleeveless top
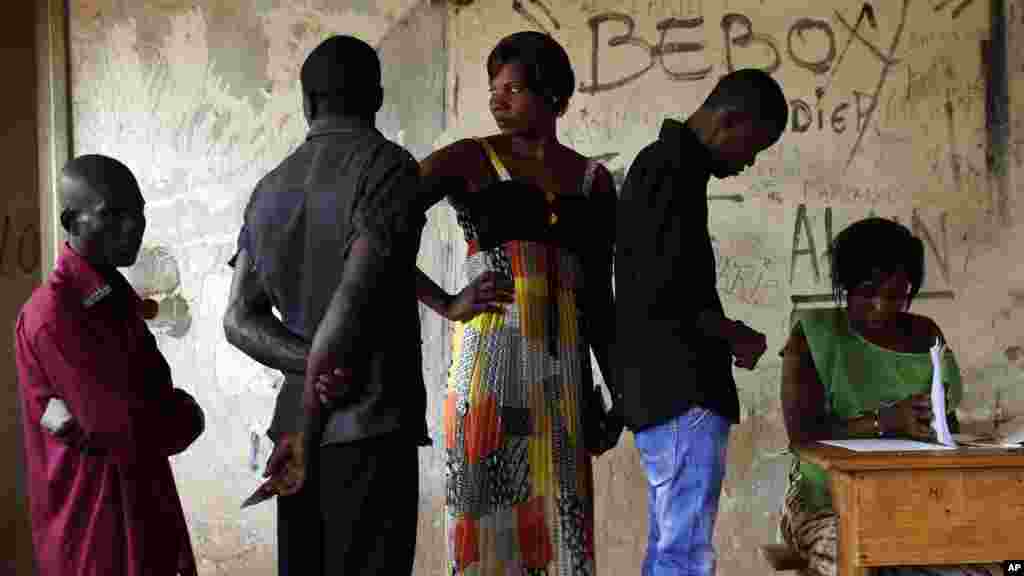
859, 376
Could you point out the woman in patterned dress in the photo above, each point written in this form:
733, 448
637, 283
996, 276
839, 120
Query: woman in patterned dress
863, 370
539, 218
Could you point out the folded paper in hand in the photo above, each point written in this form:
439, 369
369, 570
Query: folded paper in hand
939, 422
56, 416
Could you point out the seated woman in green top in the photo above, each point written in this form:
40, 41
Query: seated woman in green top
860, 371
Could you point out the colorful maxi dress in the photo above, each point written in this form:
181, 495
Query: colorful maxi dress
519, 484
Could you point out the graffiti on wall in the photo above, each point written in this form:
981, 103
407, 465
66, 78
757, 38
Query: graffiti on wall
810, 248
537, 14
751, 273
739, 34
677, 48
748, 275
19, 248
681, 48
958, 7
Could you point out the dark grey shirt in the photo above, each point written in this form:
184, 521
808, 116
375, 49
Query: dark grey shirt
344, 181
664, 278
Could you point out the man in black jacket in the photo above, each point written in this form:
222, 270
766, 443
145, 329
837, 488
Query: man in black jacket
330, 241
675, 344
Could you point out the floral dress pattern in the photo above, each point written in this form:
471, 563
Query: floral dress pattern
519, 479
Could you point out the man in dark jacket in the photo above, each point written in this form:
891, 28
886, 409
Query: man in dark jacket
330, 241
675, 344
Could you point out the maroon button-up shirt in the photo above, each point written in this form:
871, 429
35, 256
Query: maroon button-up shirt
112, 508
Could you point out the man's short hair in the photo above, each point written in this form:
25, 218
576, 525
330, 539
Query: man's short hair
89, 178
545, 64
101, 174
345, 72
754, 92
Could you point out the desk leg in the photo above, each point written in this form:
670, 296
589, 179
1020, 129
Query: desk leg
844, 500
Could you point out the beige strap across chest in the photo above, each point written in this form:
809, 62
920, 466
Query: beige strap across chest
503, 173
499, 167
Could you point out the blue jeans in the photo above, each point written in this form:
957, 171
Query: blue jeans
684, 459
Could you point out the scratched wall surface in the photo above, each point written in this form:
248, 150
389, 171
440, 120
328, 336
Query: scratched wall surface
899, 108
200, 99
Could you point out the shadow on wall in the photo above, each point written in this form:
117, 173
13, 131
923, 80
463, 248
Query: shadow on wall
156, 275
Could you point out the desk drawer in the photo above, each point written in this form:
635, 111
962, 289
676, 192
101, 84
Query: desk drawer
942, 516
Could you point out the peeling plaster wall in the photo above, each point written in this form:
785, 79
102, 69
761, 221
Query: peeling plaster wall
894, 113
200, 99
891, 114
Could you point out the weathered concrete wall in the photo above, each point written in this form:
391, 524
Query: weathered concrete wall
896, 112
893, 113
200, 99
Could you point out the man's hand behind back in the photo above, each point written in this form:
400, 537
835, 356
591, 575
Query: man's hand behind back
331, 388
286, 466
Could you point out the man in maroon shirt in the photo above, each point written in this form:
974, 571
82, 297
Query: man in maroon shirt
101, 416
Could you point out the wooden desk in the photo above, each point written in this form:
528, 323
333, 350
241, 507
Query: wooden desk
961, 506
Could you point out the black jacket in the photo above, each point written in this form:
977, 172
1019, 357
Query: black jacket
664, 278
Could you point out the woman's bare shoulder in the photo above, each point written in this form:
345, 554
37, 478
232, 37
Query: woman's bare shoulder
796, 343
460, 149
460, 158
923, 329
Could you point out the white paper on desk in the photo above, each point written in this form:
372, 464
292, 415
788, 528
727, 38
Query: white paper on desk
885, 445
939, 423
1013, 433
1011, 436
975, 441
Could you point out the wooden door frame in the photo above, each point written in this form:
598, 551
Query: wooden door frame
55, 129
